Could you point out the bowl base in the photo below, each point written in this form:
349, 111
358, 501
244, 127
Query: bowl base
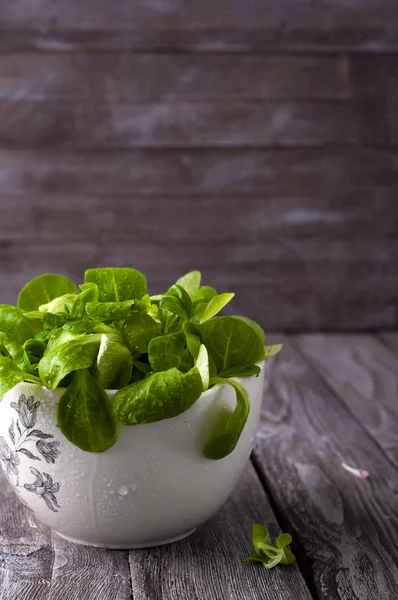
177, 538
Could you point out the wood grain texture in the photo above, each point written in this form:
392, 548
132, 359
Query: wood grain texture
175, 125
346, 525
124, 78
209, 565
291, 284
372, 214
375, 84
41, 24
26, 558
222, 171
364, 375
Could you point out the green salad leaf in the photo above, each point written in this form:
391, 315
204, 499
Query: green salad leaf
85, 414
159, 352
41, 290
270, 553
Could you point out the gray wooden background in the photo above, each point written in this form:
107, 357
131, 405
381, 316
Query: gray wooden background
254, 140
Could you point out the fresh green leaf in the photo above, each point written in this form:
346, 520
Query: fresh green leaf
85, 414
165, 352
117, 284
89, 293
192, 338
284, 539
204, 294
138, 330
82, 326
199, 311
58, 305
178, 292
272, 350
187, 361
173, 305
43, 289
223, 441
260, 536
231, 341
160, 396
190, 282
202, 364
62, 359
114, 364
11, 375
253, 325
17, 325
241, 371
192, 386
268, 553
215, 305
109, 311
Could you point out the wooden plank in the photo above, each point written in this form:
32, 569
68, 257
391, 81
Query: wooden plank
344, 523
89, 573
222, 171
224, 26
209, 565
364, 374
288, 274
124, 78
26, 557
175, 125
372, 214
391, 340
375, 83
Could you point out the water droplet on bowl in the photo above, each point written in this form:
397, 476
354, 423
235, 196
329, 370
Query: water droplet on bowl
123, 490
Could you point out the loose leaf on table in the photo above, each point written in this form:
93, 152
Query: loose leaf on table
11, 375
215, 305
109, 311
241, 371
226, 434
70, 356
114, 364
160, 396
232, 341
190, 282
270, 553
202, 364
85, 414
165, 352
43, 289
16, 325
117, 284
138, 330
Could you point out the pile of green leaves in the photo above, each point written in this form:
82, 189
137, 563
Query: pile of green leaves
160, 352
270, 553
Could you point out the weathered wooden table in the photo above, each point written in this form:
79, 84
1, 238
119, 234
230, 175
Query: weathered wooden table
332, 399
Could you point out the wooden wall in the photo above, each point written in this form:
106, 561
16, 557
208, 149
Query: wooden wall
254, 140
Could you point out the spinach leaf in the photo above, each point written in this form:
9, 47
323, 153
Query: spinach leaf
43, 289
253, 325
215, 305
190, 282
82, 326
192, 386
114, 364
59, 305
69, 356
178, 292
85, 414
89, 294
272, 350
241, 371
226, 435
160, 396
109, 311
117, 284
138, 330
187, 361
192, 338
270, 553
11, 375
172, 305
204, 294
231, 341
165, 352
17, 326
202, 364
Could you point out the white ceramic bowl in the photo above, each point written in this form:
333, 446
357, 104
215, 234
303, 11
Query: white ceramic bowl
152, 487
